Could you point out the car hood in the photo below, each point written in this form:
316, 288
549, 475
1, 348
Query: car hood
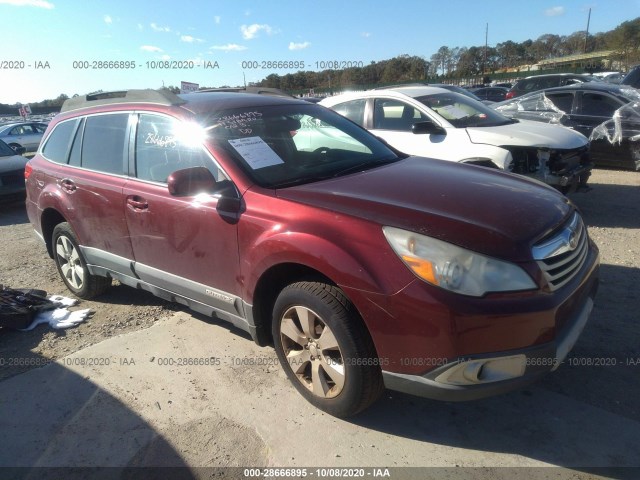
15, 162
525, 133
499, 214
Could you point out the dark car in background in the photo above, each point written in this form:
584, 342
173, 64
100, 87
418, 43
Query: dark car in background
608, 114
493, 94
540, 82
632, 78
12, 165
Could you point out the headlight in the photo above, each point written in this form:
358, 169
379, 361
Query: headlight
453, 268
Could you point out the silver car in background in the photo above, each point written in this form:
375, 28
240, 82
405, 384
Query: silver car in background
23, 134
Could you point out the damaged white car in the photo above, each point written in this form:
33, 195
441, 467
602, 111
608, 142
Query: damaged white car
437, 123
608, 114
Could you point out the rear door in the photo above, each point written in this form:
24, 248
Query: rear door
592, 109
89, 179
187, 245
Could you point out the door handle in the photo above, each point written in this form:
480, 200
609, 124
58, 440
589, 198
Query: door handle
68, 185
137, 203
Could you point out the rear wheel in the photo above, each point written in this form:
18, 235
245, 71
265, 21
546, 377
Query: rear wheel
325, 349
72, 266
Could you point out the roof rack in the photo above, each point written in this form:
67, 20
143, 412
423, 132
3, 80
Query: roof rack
160, 97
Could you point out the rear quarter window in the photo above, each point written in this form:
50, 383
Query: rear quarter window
57, 145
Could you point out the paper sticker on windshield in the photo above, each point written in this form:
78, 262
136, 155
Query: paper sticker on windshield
256, 152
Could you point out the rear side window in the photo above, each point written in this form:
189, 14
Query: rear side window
57, 147
103, 146
353, 110
563, 101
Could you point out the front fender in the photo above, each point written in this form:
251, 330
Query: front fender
347, 266
500, 157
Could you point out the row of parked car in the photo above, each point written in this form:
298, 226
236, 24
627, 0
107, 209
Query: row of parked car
608, 115
17, 139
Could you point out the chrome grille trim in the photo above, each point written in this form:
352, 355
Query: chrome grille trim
561, 257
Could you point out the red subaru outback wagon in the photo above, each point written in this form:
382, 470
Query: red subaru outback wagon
364, 267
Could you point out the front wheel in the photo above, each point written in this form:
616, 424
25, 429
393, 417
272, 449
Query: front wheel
325, 349
72, 266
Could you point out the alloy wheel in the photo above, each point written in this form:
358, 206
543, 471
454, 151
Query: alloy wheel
69, 262
312, 351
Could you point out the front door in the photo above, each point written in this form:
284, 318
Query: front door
183, 244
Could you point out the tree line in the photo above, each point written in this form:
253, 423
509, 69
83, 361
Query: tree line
446, 63
461, 62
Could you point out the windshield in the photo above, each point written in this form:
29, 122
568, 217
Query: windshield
6, 150
287, 145
461, 111
631, 94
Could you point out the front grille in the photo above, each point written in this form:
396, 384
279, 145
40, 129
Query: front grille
561, 256
529, 160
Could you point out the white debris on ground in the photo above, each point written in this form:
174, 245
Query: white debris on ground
61, 317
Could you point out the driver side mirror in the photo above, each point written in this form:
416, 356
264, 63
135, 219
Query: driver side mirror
427, 126
195, 180
191, 181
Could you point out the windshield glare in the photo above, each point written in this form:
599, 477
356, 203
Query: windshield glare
461, 111
288, 145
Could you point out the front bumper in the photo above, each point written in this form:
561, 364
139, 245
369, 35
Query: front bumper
479, 376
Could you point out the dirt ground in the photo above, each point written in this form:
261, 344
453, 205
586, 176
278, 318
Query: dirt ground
611, 210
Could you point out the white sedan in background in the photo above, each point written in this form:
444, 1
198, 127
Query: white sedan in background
438, 123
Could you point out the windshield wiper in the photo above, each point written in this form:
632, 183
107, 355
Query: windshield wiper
366, 165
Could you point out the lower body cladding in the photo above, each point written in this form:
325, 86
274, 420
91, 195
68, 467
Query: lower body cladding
198, 297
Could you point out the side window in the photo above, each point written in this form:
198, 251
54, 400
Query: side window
353, 110
563, 101
394, 115
529, 85
104, 142
315, 135
160, 151
57, 145
598, 105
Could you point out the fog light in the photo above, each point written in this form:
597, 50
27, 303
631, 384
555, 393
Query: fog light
485, 370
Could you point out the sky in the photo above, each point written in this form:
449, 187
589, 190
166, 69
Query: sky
53, 47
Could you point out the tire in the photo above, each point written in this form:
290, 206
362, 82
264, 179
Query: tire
325, 349
72, 266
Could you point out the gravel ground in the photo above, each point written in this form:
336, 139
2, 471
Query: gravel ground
610, 210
